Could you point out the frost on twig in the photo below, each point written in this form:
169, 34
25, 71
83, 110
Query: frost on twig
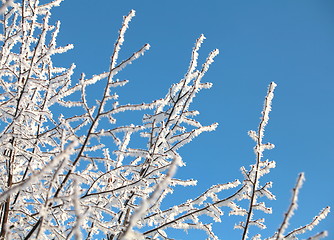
293, 206
41, 179
252, 190
70, 169
280, 235
167, 131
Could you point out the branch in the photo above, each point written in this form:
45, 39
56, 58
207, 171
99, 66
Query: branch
293, 206
259, 148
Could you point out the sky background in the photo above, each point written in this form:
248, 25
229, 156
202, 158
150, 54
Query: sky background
288, 42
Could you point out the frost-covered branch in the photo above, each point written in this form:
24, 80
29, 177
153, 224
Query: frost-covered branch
293, 206
69, 168
260, 168
316, 220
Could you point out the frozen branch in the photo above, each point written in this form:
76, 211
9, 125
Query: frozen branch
71, 168
255, 174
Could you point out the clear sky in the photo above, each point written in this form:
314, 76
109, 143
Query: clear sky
288, 42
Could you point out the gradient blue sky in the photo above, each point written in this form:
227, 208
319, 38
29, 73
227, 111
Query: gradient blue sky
289, 42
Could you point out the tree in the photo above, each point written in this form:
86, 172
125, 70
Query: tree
79, 175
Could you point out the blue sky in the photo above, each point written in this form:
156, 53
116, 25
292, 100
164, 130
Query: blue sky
289, 42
